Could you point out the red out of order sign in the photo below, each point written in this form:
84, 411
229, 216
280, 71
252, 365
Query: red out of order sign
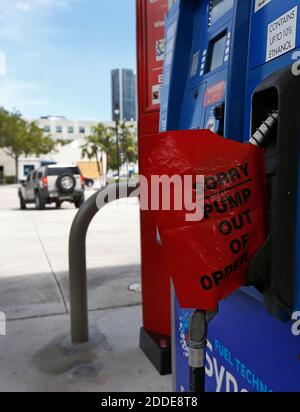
209, 259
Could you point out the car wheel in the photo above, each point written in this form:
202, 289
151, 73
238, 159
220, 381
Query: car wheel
78, 202
22, 203
39, 204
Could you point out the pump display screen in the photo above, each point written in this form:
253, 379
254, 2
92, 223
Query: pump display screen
216, 52
218, 8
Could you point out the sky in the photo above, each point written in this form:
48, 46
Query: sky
56, 55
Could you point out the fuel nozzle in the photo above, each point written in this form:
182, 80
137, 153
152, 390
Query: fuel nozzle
263, 133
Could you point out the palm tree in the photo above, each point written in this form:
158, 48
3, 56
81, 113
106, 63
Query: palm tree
127, 146
97, 143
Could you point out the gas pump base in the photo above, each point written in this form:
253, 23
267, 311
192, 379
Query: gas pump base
157, 348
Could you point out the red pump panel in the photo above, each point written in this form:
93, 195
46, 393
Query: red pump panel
150, 44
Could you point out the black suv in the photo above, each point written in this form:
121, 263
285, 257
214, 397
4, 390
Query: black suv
53, 184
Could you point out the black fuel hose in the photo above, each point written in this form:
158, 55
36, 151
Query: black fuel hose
197, 350
197, 380
198, 328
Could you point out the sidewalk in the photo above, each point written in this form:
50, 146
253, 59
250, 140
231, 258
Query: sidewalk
36, 354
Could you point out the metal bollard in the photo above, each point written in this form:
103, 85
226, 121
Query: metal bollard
77, 259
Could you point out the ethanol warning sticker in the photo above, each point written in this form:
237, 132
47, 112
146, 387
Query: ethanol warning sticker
282, 34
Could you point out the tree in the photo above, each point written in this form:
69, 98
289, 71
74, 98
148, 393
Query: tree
103, 139
128, 144
97, 143
21, 138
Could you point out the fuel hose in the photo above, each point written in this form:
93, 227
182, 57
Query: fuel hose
197, 348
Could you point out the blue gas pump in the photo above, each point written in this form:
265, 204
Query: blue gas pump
228, 66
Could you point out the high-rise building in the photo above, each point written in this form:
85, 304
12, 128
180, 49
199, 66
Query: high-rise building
123, 83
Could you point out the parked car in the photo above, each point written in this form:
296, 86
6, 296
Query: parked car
53, 184
89, 182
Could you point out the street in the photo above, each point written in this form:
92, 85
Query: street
36, 353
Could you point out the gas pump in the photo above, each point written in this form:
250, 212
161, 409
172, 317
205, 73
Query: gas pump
206, 48
228, 68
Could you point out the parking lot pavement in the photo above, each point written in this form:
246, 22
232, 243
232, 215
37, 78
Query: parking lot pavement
36, 356
34, 257
34, 296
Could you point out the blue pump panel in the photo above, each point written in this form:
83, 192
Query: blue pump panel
248, 349
205, 65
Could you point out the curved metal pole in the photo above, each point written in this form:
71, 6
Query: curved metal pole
77, 258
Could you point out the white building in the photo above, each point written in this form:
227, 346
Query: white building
61, 128
57, 127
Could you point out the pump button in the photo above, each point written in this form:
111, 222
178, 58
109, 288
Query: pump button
219, 112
